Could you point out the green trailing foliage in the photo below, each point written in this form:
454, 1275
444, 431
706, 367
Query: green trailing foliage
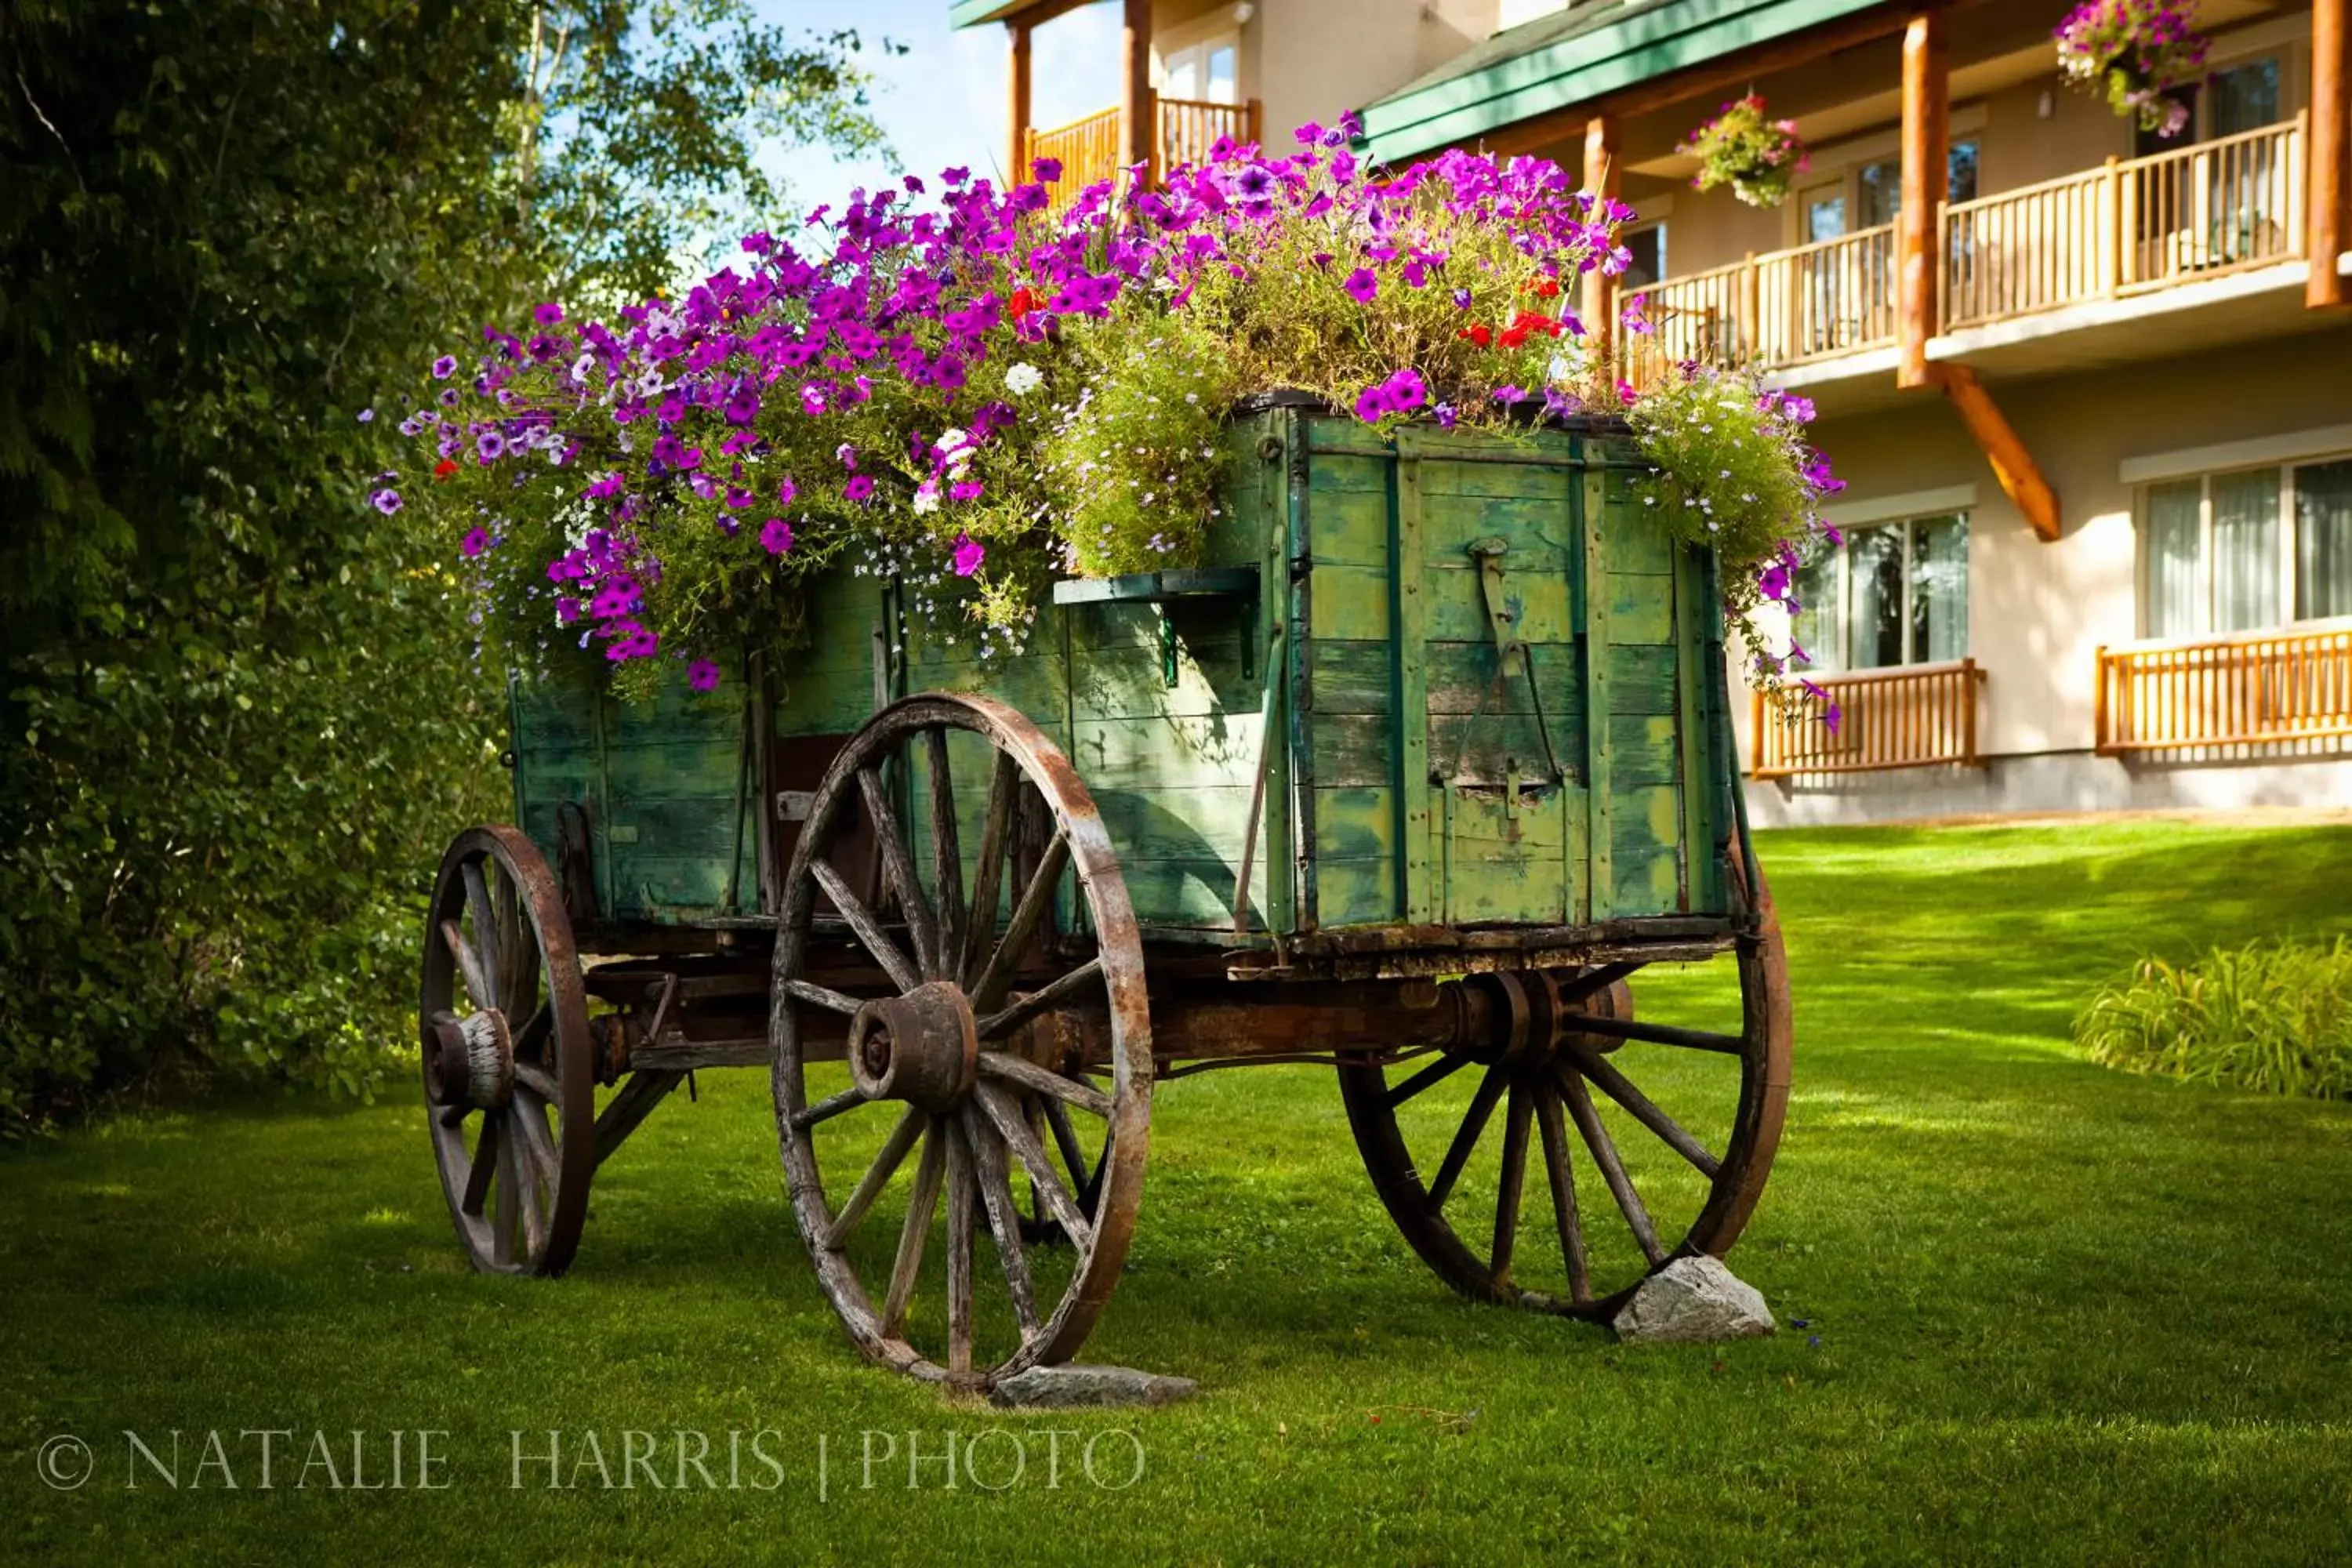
234, 736
2274, 1016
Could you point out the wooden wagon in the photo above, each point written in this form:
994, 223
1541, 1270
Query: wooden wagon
1412, 778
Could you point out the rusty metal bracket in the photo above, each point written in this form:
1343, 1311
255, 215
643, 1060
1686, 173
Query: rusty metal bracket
1509, 646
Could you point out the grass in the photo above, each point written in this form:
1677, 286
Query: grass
2271, 1015
2062, 1314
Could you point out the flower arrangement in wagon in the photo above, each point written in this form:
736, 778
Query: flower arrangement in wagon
961, 390
1745, 148
2137, 53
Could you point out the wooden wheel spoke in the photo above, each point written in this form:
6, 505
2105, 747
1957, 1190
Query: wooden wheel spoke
947, 855
1065, 1139
1586, 1118
994, 1180
455, 1115
1043, 999
533, 1034
822, 996
1592, 981
1513, 1179
922, 926
506, 1200
1022, 1139
1036, 899
831, 1106
1661, 1033
960, 1293
877, 1176
1465, 1137
486, 1163
921, 1203
539, 1080
535, 1147
1617, 1086
1562, 1181
1029, 1074
518, 943
989, 867
1428, 1077
485, 932
869, 930
470, 967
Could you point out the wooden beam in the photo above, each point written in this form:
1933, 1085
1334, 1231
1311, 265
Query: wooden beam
1016, 159
2330, 207
1548, 129
1139, 132
1599, 301
1919, 232
2020, 477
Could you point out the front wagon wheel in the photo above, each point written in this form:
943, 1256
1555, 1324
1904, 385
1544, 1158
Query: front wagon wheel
1648, 1139
509, 1086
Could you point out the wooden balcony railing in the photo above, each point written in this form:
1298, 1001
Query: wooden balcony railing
1089, 149
2133, 226
1910, 716
2257, 689
1834, 296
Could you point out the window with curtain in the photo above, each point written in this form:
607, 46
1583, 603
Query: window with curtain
1896, 594
2247, 549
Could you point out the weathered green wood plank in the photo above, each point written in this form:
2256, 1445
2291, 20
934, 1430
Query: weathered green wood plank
1409, 842
1600, 698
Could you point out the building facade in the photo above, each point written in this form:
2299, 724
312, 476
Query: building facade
2091, 389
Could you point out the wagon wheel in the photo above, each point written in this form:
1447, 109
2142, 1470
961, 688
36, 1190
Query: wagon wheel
509, 1087
1598, 1239
965, 1051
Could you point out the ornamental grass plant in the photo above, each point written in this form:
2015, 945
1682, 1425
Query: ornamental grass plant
964, 389
2274, 1016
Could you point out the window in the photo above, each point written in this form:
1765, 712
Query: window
1204, 73
2232, 551
1896, 594
1648, 248
1878, 186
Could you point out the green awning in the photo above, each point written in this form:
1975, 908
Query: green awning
1585, 53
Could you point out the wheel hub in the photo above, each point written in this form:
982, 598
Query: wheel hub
922, 1048
471, 1060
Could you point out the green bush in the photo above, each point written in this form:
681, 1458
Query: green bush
2273, 1017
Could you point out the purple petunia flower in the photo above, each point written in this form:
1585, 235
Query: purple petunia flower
860, 489
702, 675
490, 444
786, 490
1372, 402
445, 367
969, 553
1361, 285
475, 542
387, 501
1046, 171
776, 536
1405, 391
548, 314
367, 415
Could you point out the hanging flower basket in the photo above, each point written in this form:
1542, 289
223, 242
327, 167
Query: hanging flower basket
1745, 148
2136, 54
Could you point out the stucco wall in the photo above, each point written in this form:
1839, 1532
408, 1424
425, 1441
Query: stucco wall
1314, 60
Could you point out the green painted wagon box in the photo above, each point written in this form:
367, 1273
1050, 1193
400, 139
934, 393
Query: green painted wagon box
1494, 684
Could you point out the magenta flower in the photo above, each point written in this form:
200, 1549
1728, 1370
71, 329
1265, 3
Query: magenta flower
1405, 391
702, 675
860, 489
387, 501
632, 641
547, 315
476, 542
445, 367
776, 535
1372, 402
786, 490
1046, 171
969, 553
1362, 286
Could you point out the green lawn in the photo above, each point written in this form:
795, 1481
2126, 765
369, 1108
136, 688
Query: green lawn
2062, 1314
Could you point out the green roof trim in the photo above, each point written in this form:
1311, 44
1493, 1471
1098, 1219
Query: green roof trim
1614, 47
972, 13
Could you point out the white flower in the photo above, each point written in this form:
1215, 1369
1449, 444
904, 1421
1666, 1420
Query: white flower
1021, 379
926, 497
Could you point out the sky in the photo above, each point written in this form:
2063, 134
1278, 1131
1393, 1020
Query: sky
943, 102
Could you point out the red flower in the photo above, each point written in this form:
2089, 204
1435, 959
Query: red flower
1480, 333
1023, 303
1528, 321
1512, 336
1544, 288
445, 467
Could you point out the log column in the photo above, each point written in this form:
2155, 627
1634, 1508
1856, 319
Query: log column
1927, 179
1598, 306
2329, 206
1139, 109
1016, 156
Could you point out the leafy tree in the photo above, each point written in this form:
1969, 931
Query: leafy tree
236, 724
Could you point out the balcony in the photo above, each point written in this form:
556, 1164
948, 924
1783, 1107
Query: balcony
2261, 689
1910, 716
1187, 128
2130, 228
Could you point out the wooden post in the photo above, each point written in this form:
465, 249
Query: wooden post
2111, 239
1927, 178
1600, 303
1016, 156
1751, 310
1139, 132
2328, 210
2012, 465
